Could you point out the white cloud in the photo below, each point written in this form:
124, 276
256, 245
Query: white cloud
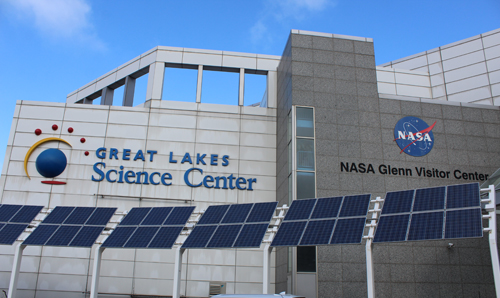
68, 19
283, 11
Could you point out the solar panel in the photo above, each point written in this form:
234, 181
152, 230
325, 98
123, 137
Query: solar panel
324, 221
463, 196
289, 233
225, 226
71, 226
429, 199
237, 213
318, 232
426, 226
10, 232
432, 213
392, 228
398, 202
455, 220
8, 211
348, 230
300, 209
200, 236
224, 236
251, 235
355, 206
14, 219
149, 227
327, 208
213, 214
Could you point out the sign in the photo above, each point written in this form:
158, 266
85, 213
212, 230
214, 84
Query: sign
414, 136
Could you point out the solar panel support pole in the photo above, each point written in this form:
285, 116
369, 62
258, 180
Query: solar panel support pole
370, 278
177, 272
96, 271
14, 275
267, 266
492, 225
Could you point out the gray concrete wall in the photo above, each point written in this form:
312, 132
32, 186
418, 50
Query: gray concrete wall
354, 125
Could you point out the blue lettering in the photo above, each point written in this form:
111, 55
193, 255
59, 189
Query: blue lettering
151, 153
239, 181
186, 177
139, 155
113, 152
206, 180
199, 158
250, 181
129, 174
187, 158
120, 175
151, 180
139, 174
217, 180
167, 176
225, 160
107, 176
213, 159
98, 171
126, 154
171, 159
101, 153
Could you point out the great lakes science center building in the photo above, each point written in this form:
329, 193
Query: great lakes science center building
330, 123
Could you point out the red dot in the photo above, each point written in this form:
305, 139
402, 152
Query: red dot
38, 131
86, 153
70, 129
82, 140
55, 127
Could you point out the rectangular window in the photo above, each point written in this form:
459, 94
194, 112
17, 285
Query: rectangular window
306, 259
306, 186
305, 122
305, 154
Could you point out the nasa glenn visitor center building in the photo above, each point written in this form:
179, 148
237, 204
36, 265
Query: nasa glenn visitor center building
157, 197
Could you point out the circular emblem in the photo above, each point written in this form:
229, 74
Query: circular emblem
414, 136
51, 163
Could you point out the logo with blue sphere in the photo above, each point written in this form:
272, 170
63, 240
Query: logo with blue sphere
51, 163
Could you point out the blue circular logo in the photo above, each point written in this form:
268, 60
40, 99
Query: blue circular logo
414, 136
51, 163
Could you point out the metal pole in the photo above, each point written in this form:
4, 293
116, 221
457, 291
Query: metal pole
14, 275
492, 230
96, 271
177, 272
267, 266
370, 277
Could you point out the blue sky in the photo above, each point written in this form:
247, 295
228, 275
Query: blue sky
50, 48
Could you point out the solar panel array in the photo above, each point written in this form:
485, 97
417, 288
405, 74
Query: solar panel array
232, 226
337, 220
14, 219
149, 227
431, 213
71, 226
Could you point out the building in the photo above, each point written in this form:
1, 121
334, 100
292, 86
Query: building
325, 127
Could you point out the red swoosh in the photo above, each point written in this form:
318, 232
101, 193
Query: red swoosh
423, 131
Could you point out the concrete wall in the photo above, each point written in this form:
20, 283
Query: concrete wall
246, 134
353, 125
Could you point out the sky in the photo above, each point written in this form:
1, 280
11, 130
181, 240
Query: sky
50, 48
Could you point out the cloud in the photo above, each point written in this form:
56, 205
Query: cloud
282, 11
68, 19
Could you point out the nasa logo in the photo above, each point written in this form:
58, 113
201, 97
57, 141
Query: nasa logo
414, 136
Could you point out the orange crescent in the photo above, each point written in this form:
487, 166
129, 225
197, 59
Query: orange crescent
35, 146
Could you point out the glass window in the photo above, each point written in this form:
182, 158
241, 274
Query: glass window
305, 154
306, 259
305, 123
305, 185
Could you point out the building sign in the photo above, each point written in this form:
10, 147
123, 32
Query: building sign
122, 175
414, 136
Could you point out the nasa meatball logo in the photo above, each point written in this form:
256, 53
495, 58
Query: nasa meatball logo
413, 136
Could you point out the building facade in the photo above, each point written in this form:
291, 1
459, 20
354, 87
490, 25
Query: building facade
325, 127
